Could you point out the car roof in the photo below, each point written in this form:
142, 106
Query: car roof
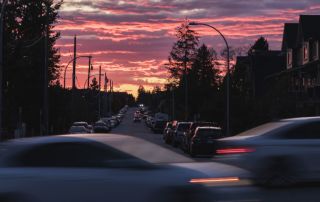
80, 122
133, 146
73, 126
184, 123
208, 127
302, 119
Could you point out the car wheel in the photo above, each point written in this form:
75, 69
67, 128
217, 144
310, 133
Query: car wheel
279, 172
192, 152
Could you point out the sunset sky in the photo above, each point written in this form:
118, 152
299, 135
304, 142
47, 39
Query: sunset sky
132, 39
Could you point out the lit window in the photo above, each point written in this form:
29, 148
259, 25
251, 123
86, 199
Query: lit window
306, 51
289, 58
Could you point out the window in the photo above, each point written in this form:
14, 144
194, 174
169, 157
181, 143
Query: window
305, 131
69, 155
305, 52
289, 58
315, 50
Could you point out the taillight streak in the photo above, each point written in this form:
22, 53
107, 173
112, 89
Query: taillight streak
235, 150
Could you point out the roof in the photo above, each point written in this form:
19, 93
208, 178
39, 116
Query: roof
310, 26
290, 35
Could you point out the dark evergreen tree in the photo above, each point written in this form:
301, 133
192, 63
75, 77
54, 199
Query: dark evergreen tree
204, 83
25, 25
261, 45
183, 51
94, 84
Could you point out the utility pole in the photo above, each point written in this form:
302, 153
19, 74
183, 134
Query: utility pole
45, 77
74, 63
4, 3
105, 108
173, 103
89, 70
185, 88
110, 96
99, 101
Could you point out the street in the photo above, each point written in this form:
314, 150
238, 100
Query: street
238, 192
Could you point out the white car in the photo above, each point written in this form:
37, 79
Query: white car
78, 130
96, 167
277, 153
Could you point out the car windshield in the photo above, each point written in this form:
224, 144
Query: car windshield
183, 127
213, 133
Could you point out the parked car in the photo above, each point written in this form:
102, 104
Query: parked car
277, 153
83, 168
78, 130
167, 129
179, 133
159, 126
186, 141
168, 136
204, 140
107, 121
149, 121
136, 118
83, 123
101, 127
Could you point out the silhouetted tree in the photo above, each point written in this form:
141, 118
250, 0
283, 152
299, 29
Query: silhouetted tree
94, 84
183, 51
204, 83
25, 24
261, 45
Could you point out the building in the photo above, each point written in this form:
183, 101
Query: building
290, 76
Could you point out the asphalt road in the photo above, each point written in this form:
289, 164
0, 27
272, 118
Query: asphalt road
239, 192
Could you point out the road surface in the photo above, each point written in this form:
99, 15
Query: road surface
241, 191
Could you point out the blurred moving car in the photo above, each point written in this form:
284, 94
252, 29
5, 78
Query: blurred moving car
78, 130
186, 141
179, 133
277, 153
204, 140
95, 168
101, 127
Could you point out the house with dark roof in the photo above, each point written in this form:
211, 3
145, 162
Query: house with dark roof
294, 69
301, 46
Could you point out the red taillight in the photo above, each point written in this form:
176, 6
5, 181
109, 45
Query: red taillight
235, 150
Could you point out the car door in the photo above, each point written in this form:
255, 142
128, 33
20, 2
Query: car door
73, 172
303, 143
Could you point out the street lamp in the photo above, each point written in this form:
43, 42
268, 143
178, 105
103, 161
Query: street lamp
228, 72
65, 70
4, 3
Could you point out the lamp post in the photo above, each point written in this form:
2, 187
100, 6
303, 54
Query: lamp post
228, 72
4, 3
65, 69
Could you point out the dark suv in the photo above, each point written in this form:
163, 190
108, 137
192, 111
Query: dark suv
185, 144
159, 126
204, 140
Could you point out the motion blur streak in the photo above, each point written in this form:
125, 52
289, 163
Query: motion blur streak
213, 180
234, 151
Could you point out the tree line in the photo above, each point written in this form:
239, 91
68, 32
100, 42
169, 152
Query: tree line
25, 27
